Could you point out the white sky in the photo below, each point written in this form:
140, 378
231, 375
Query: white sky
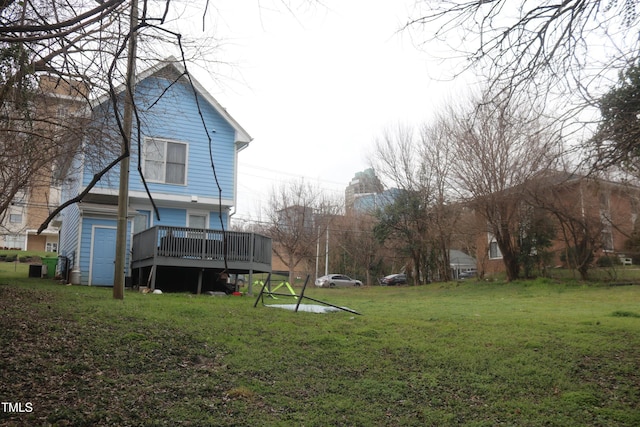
317, 88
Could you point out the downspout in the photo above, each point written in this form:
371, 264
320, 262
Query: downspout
239, 147
76, 277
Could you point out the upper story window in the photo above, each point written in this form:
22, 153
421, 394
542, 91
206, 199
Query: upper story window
165, 161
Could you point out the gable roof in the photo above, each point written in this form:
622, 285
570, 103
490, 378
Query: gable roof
242, 137
459, 259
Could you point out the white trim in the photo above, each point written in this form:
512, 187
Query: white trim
235, 185
198, 212
76, 256
45, 232
179, 199
93, 232
137, 196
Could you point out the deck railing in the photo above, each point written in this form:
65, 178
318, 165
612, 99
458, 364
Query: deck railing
197, 243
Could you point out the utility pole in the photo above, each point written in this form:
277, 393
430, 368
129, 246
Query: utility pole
326, 253
127, 124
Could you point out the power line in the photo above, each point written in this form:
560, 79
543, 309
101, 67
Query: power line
281, 172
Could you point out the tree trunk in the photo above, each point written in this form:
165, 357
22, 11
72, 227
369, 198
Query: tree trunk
509, 254
512, 266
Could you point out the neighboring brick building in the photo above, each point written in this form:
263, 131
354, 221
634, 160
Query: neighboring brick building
575, 205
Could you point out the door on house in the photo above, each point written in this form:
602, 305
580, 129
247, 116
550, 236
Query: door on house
103, 256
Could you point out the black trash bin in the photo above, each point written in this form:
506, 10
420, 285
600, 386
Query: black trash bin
63, 267
35, 270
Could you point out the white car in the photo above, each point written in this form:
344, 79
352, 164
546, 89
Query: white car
333, 280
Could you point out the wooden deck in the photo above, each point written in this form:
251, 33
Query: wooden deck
203, 249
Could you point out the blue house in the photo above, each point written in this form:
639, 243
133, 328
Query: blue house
186, 146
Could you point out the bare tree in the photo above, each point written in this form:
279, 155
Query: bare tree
420, 220
357, 252
499, 148
574, 202
533, 46
298, 213
80, 44
38, 139
438, 160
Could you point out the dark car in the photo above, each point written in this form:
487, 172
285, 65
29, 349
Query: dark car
467, 274
394, 279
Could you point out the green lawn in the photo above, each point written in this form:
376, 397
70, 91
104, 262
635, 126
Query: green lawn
473, 353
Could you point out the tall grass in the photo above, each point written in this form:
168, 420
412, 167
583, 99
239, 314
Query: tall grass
473, 353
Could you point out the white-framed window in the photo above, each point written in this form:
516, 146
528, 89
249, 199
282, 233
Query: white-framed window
15, 218
494, 250
51, 247
607, 240
197, 221
141, 221
165, 161
14, 241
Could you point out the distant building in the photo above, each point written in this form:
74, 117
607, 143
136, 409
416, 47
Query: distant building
363, 183
370, 202
596, 212
58, 111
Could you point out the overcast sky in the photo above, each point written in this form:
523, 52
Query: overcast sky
316, 87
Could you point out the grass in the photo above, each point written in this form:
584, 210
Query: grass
472, 353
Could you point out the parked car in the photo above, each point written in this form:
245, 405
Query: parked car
394, 279
467, 274
333, 280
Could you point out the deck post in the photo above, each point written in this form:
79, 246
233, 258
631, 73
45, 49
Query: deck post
153, 277
200, 281
252, 241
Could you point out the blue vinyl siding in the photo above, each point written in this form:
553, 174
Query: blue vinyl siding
101, 153
70, 216
168, 111
214, 220
172, 217
175, 117
69, 232
178, 218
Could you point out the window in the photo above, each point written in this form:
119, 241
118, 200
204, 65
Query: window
15, 218
13, 241
197, 221
165, 161
494, 250
607, 241
141, 221
51, 247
